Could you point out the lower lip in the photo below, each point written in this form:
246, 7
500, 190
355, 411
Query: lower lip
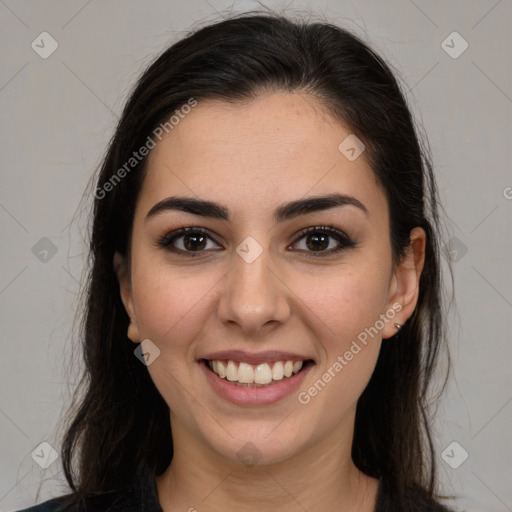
242, 395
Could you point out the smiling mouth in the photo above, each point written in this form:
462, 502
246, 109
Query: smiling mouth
256, 375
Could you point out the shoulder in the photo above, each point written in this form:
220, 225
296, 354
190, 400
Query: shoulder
140, 496
53, 505
416, 500
70, 503
47, 506
420, 501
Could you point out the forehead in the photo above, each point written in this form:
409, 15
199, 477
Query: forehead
274, 148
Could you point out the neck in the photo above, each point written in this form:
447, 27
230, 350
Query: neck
322, 477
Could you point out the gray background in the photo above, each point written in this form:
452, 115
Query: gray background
58, 114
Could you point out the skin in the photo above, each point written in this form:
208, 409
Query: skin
251, 158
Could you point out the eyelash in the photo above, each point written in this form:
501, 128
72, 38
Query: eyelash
342, 238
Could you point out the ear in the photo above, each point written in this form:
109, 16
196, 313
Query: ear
123, 276
404, 288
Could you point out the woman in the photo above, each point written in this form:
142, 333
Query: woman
265, 285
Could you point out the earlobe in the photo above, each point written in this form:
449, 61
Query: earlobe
122, 273
405, 283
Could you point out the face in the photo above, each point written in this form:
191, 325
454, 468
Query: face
314, 285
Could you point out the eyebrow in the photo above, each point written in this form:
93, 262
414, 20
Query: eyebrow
284, 212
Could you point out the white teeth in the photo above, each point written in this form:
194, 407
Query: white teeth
245, 373
261, 374
277, 371
231, 371
288, 368
221, 369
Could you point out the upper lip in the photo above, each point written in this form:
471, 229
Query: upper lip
255, 357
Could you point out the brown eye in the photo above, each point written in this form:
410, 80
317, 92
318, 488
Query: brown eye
318, 239
193, 242
187, 241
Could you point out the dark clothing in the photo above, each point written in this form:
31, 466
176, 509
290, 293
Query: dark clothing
143, 497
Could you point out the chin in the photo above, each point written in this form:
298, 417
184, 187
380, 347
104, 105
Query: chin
265, 446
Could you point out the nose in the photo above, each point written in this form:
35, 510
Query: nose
255, 297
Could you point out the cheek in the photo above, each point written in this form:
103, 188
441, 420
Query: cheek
344, 311
344, 315
171, 304
343, 302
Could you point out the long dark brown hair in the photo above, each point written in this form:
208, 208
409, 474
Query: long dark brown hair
118, 422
